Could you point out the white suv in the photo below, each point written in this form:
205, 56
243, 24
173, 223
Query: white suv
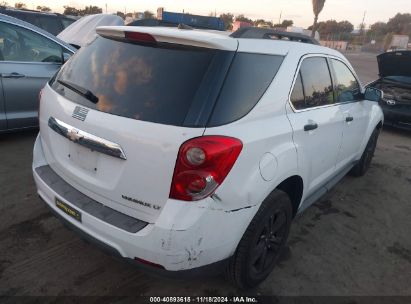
189, 151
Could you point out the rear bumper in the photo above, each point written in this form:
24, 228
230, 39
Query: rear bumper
210, 238
207, 270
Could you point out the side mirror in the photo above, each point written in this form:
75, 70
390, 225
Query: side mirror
65, 57
373, 94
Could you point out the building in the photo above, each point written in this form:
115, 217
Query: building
240, 24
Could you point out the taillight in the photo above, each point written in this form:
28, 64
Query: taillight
202, 165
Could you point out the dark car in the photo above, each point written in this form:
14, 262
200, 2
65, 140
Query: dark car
50, 22
395, 81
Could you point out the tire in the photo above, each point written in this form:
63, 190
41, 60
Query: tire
364, 164
259, 250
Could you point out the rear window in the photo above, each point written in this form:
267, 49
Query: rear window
155, 84
167, 84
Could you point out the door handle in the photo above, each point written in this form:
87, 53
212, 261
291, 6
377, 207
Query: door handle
13, 75
310, 126
349, 118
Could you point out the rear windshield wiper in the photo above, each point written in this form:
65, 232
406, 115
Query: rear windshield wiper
79, 90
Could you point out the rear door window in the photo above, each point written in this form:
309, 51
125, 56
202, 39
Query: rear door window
297, 96
347, 87
317, 84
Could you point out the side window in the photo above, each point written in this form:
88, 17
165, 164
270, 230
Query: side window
297, 96
316, 83
20, 44
249, 77
347, 87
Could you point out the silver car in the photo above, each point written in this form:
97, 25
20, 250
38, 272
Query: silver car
29, 57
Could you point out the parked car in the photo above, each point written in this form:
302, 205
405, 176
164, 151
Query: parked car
50, 22
83, 30
29, 57
395, 81
188, 151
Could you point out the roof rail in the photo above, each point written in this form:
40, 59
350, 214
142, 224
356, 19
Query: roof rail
267, 33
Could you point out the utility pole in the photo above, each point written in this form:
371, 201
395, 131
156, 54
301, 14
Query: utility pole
279, 19
363, 27
106, 8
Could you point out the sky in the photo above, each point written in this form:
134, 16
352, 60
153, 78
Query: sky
300, 11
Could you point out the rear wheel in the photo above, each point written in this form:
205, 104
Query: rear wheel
263, 241
362, 166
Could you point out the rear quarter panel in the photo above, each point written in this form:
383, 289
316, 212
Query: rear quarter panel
267, 140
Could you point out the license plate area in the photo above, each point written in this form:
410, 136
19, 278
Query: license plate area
83, 157
72, 212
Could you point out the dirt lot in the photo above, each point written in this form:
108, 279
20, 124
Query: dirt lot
356, 241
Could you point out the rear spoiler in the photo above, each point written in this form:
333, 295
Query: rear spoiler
194, 38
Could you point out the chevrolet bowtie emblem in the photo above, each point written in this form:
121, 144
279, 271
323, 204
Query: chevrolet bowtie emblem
74, 135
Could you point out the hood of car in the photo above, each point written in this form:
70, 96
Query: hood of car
83, 30
396, 63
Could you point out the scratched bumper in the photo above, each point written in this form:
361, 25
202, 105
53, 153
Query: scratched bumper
207, 270
185, 236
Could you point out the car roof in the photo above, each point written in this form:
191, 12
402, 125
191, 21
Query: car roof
32, 27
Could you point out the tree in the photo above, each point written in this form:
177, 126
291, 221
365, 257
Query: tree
121, 14
43, 8
263, 23
242, 18
20, 5
318, 6
228, 20
345, 27
284, 24
333, 30
4, 3
287, 23
148, 15
378, 29
72, 11
400, 24
91, 10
